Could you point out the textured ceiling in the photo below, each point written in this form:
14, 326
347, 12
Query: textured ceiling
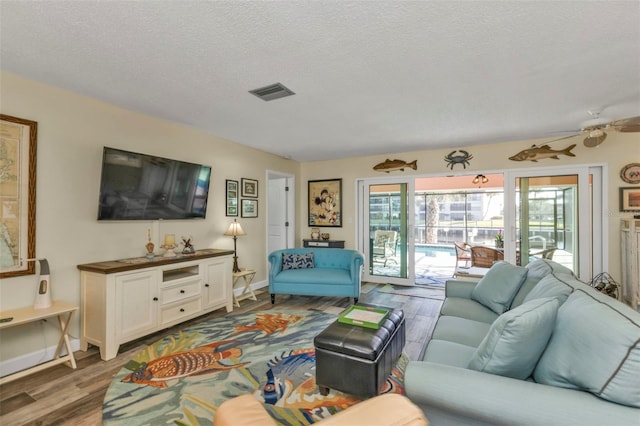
371, 77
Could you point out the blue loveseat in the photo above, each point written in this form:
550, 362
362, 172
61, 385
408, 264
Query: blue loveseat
529, 346
315, 272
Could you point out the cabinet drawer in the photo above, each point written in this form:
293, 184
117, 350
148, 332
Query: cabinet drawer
174, 313
181, 291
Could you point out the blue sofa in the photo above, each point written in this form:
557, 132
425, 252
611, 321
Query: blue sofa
315, 272
529, 346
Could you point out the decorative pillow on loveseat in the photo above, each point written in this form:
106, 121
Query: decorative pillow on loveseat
297, 261
499, 286
516, 339
585, 354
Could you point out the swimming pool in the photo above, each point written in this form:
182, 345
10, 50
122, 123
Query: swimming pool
434, 250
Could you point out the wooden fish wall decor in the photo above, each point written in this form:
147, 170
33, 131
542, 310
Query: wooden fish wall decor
536, 153
393, 165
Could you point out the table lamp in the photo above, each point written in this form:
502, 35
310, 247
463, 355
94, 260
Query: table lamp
234, 231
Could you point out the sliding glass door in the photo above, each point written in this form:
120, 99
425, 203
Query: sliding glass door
551, 213
387, 232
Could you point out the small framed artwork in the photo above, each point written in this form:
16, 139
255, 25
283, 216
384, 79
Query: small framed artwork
232, 197
18, 140
325, 202
630, 199
249, 208
249, 188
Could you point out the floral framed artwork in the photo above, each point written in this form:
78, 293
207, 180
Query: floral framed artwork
249, 188
231, 197
630, 199
249, 208
18, 142
325, 202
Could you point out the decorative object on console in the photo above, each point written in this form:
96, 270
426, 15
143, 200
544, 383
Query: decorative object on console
392, 165
325, 236
325, 202
631, 173
463, 158
188, 245
150, 246
169, 245
249, 188
18, 169
43, 296
235, 230
630, 199
315, 233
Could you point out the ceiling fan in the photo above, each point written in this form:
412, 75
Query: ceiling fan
596, 128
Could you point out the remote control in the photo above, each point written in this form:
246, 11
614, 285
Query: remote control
7, 319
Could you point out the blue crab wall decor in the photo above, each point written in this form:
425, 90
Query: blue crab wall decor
463, 158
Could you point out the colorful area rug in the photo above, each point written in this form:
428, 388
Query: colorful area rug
182, 379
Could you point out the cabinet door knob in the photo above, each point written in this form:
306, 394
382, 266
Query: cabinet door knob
182, 291
155, 299
181, 309
206, 285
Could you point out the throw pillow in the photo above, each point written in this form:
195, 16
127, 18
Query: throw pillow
516, 339
297, 261
499, 286
595, 347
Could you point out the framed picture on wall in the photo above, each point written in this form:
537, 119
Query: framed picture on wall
630, 199
325, 202
18, 140
249, 208
232, 197
249, 188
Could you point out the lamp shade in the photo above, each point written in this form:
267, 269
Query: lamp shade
235, 230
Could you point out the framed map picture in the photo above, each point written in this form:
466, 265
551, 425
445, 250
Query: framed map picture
18, 140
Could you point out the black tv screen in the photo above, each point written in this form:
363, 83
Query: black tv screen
137, 186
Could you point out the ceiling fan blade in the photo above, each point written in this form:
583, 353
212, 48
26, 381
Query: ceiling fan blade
593, 141
627, 125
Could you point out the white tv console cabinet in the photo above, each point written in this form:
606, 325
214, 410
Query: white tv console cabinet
123, 300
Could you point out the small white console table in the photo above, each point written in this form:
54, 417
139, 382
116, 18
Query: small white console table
63, 311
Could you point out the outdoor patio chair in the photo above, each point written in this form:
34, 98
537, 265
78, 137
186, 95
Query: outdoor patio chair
485, 257
384, 246
463, 254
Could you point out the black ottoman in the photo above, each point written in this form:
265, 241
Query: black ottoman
358, 360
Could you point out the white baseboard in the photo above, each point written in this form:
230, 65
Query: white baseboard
254, 286
22, 362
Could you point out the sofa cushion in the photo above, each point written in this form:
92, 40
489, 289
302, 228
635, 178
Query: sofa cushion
297, 261
448, 353
595, 346
467, 308
554, 285
537, 270
499, 285
516, 339
460, 330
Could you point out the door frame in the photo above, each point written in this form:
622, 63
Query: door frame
289, 211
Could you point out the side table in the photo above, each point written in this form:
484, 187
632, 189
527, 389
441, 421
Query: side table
63, 311
247, 275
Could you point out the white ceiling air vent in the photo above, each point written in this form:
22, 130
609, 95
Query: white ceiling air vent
271, 92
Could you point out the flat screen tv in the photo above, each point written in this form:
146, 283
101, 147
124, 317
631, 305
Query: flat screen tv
138, 186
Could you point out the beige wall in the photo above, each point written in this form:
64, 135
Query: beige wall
619, 149
72, 130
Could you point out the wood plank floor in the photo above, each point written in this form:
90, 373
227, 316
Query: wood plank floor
61, 396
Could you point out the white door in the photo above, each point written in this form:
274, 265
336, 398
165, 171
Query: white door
280, 211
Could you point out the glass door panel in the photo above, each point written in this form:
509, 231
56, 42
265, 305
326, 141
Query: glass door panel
387, 214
